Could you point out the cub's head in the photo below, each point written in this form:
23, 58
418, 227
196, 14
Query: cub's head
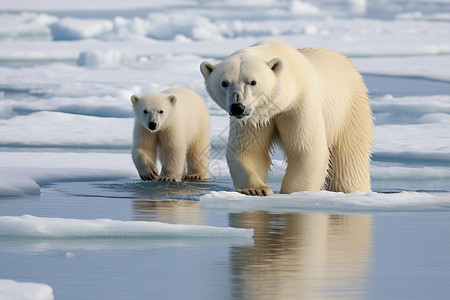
153, 111
247, 87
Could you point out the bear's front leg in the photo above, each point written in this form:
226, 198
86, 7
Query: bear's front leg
145, 164
173, 161
249, 174
248, 159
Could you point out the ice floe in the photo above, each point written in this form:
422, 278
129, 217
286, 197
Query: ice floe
28, 226
329, 202
14, 290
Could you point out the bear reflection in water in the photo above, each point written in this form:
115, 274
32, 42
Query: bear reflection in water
294, 255
170, 211
302, 256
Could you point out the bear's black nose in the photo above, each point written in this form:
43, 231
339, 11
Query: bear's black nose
237, 109
152, 125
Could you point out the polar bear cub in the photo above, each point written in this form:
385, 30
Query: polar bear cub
311, 101
174, 126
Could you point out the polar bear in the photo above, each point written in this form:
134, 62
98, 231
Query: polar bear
174, 123
311, 102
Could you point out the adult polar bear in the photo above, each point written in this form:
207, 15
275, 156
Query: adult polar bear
311, 101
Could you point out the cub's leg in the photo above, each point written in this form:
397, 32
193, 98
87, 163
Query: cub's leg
144, 155
198, 158
173, 159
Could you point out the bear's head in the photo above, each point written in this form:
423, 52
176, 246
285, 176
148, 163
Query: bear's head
247, 87
154, 110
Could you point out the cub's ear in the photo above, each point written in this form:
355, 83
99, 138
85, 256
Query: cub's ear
134, 99
206, 68
172, 99
276, 64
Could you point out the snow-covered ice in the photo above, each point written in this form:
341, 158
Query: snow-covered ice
23, 173
28, 226
329, 202
429, 67
13, 290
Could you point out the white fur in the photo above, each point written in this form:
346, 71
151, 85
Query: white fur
311, 101
181, 135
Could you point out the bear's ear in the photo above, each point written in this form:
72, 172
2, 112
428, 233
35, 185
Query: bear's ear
135, 99
276, 64
172, 99
206, 68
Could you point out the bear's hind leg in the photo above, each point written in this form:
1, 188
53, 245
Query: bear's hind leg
350, 158
348, 173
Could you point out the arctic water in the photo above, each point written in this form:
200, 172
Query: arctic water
76, 222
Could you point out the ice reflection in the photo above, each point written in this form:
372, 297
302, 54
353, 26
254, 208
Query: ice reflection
302, 256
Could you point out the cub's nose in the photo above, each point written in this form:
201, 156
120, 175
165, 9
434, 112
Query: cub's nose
237, 109
152, 125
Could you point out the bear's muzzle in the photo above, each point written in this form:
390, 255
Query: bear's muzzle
237, 110
152, 125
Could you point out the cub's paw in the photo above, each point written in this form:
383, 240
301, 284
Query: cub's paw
167, 179
260, 191
193, 177
151, 173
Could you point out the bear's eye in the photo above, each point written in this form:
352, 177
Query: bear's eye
225, 83
161, 111
253, 83
145, 111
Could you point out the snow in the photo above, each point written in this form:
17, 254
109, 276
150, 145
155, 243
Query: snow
406, 110
430, 67
26, 25
324, 201
76, 29
13, 290
28, 226
401, 140
303, 8
23, 173
49, 129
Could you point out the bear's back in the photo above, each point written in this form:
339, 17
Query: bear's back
191, 111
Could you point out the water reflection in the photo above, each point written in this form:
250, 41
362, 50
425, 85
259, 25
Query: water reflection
175, 203
302, 256
172, 211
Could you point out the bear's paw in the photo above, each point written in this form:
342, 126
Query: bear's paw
167, 179
151, 173
193, 177
259, 191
